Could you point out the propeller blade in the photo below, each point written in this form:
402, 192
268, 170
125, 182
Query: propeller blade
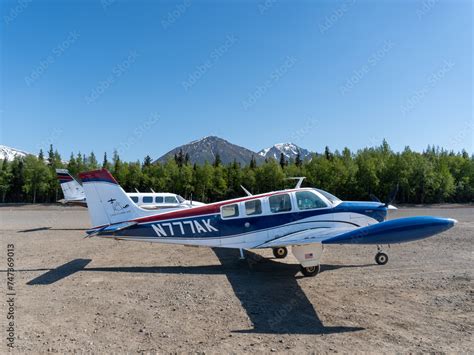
392, 196
374, 198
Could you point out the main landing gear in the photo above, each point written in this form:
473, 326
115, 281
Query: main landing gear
310, 271
280, 253
381, 258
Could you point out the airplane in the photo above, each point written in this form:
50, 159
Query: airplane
305, 219
72, 190
74, 195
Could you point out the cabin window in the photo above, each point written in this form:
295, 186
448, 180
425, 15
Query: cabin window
253, 207
159, 199
147, 199
230, 211
134, 199
307, 200
280, 203
170, 199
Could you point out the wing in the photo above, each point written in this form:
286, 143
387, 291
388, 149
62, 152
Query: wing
308, 236
395, 231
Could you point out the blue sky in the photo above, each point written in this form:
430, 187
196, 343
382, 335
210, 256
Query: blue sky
146, 76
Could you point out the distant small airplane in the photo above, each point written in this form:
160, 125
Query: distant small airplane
74, 195
73, 191
304, 219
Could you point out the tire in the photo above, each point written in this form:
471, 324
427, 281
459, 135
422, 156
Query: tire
310, 271
280, 253
381, 258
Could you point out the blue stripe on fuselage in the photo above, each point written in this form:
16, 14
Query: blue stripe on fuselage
213, 226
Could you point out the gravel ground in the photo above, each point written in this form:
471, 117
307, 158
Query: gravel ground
75, 294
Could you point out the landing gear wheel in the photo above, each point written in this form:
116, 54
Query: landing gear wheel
280, 253
381, 258
310, 271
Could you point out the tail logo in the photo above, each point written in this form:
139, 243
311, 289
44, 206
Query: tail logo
117, 207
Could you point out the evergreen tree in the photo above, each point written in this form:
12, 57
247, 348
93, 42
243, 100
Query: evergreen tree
298, 161
180, 158
147, 161
41, 155
283, 162
105, 162
92, 163
51, 159
327, 153
217, 160
253, 163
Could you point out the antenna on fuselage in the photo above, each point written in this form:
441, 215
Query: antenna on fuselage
136, 190
300, 180
246, 191
152, 190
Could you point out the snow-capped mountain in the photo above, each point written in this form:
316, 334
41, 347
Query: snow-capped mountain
9, 153
289, 150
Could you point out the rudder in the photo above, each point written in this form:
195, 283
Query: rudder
107, 201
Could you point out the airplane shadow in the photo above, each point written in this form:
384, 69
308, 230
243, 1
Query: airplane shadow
39, 229
272, 297
268, 290
34, 230
61, 272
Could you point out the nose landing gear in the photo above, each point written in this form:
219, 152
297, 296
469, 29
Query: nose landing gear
280, 253
381, 258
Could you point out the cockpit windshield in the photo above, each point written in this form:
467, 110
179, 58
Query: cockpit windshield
330, 197
180, 199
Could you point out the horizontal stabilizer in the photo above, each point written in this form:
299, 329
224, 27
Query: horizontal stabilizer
110, 229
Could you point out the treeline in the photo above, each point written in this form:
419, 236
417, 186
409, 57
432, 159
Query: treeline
432, 176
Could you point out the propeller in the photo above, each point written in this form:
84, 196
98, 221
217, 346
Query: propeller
390, 199
393, 195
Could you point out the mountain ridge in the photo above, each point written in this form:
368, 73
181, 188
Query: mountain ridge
207, 148
289, 150
10, 153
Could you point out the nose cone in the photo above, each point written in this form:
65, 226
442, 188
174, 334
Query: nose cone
451, 222
443, 223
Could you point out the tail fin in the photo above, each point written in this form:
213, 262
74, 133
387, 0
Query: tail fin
72, 190
107, 201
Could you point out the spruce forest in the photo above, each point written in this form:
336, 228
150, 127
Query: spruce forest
432, 176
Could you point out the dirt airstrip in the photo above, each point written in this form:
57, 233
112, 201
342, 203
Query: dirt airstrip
95, 295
